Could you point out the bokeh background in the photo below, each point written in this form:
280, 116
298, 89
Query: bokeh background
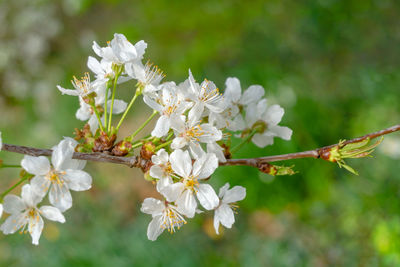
333, 65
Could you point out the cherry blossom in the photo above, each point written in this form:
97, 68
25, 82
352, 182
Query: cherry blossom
25, 214
165, 216
183, 192
224, 211
63, 175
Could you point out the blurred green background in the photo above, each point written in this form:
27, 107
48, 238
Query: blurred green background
333, 65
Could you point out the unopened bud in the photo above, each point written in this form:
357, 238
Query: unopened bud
148, 150
122, 148
104, 142
274, 170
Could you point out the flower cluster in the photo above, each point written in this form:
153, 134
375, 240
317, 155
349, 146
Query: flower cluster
191, 137
54, 179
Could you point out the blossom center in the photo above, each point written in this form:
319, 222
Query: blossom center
82, 85
191, 183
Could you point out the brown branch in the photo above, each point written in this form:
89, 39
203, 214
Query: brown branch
315, 153
136, 161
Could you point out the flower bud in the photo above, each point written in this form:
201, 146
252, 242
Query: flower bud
274, 170
122, 148
147, 151
104, 142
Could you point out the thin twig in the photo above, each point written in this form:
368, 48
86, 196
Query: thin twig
136, 161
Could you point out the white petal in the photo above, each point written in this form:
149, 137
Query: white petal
217, 150
155, 228
152, 206
13, 204
253, 94
233, 90
225, 215
173, 191
216, 224
119, 106
1, 210
60, 197
157, 172
282, 132
52, 213
36, 165
262, 140
13, 223
78, 180
40, 185
196, 150
95, 66
207, 196
29, 196
35, 229
205, 166
140, 48
68, 91
186, 204
161, 157
64, 150
153, 104
162, 127
83, 113
196, 112
237, 193
178, 142
223, 190
164, 182
181, 162
273, 115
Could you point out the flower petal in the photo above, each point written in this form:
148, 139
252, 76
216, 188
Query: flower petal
13, 204
237, 193
233, 90
60, 197
78, 180
225, 215
29, 196
152, 206
40, 185
186, 204
282, 132
155, 228
207, 196
36, 165
173, 191
223, 190
181, 163
52, 214
162, 126
205, 166
253, 94
13, 223
35, 229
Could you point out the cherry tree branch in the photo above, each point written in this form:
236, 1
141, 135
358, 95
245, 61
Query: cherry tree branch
138, 162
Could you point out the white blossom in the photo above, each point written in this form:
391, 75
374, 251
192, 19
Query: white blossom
266, 118
224, 213
25, 214
168, 103
1, 210
148, 76
83, 87
183, 192
165, 216
161, 169
63, 175
206, 95
191, 133
120, 51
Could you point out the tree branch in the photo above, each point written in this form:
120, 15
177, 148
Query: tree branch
136, 161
